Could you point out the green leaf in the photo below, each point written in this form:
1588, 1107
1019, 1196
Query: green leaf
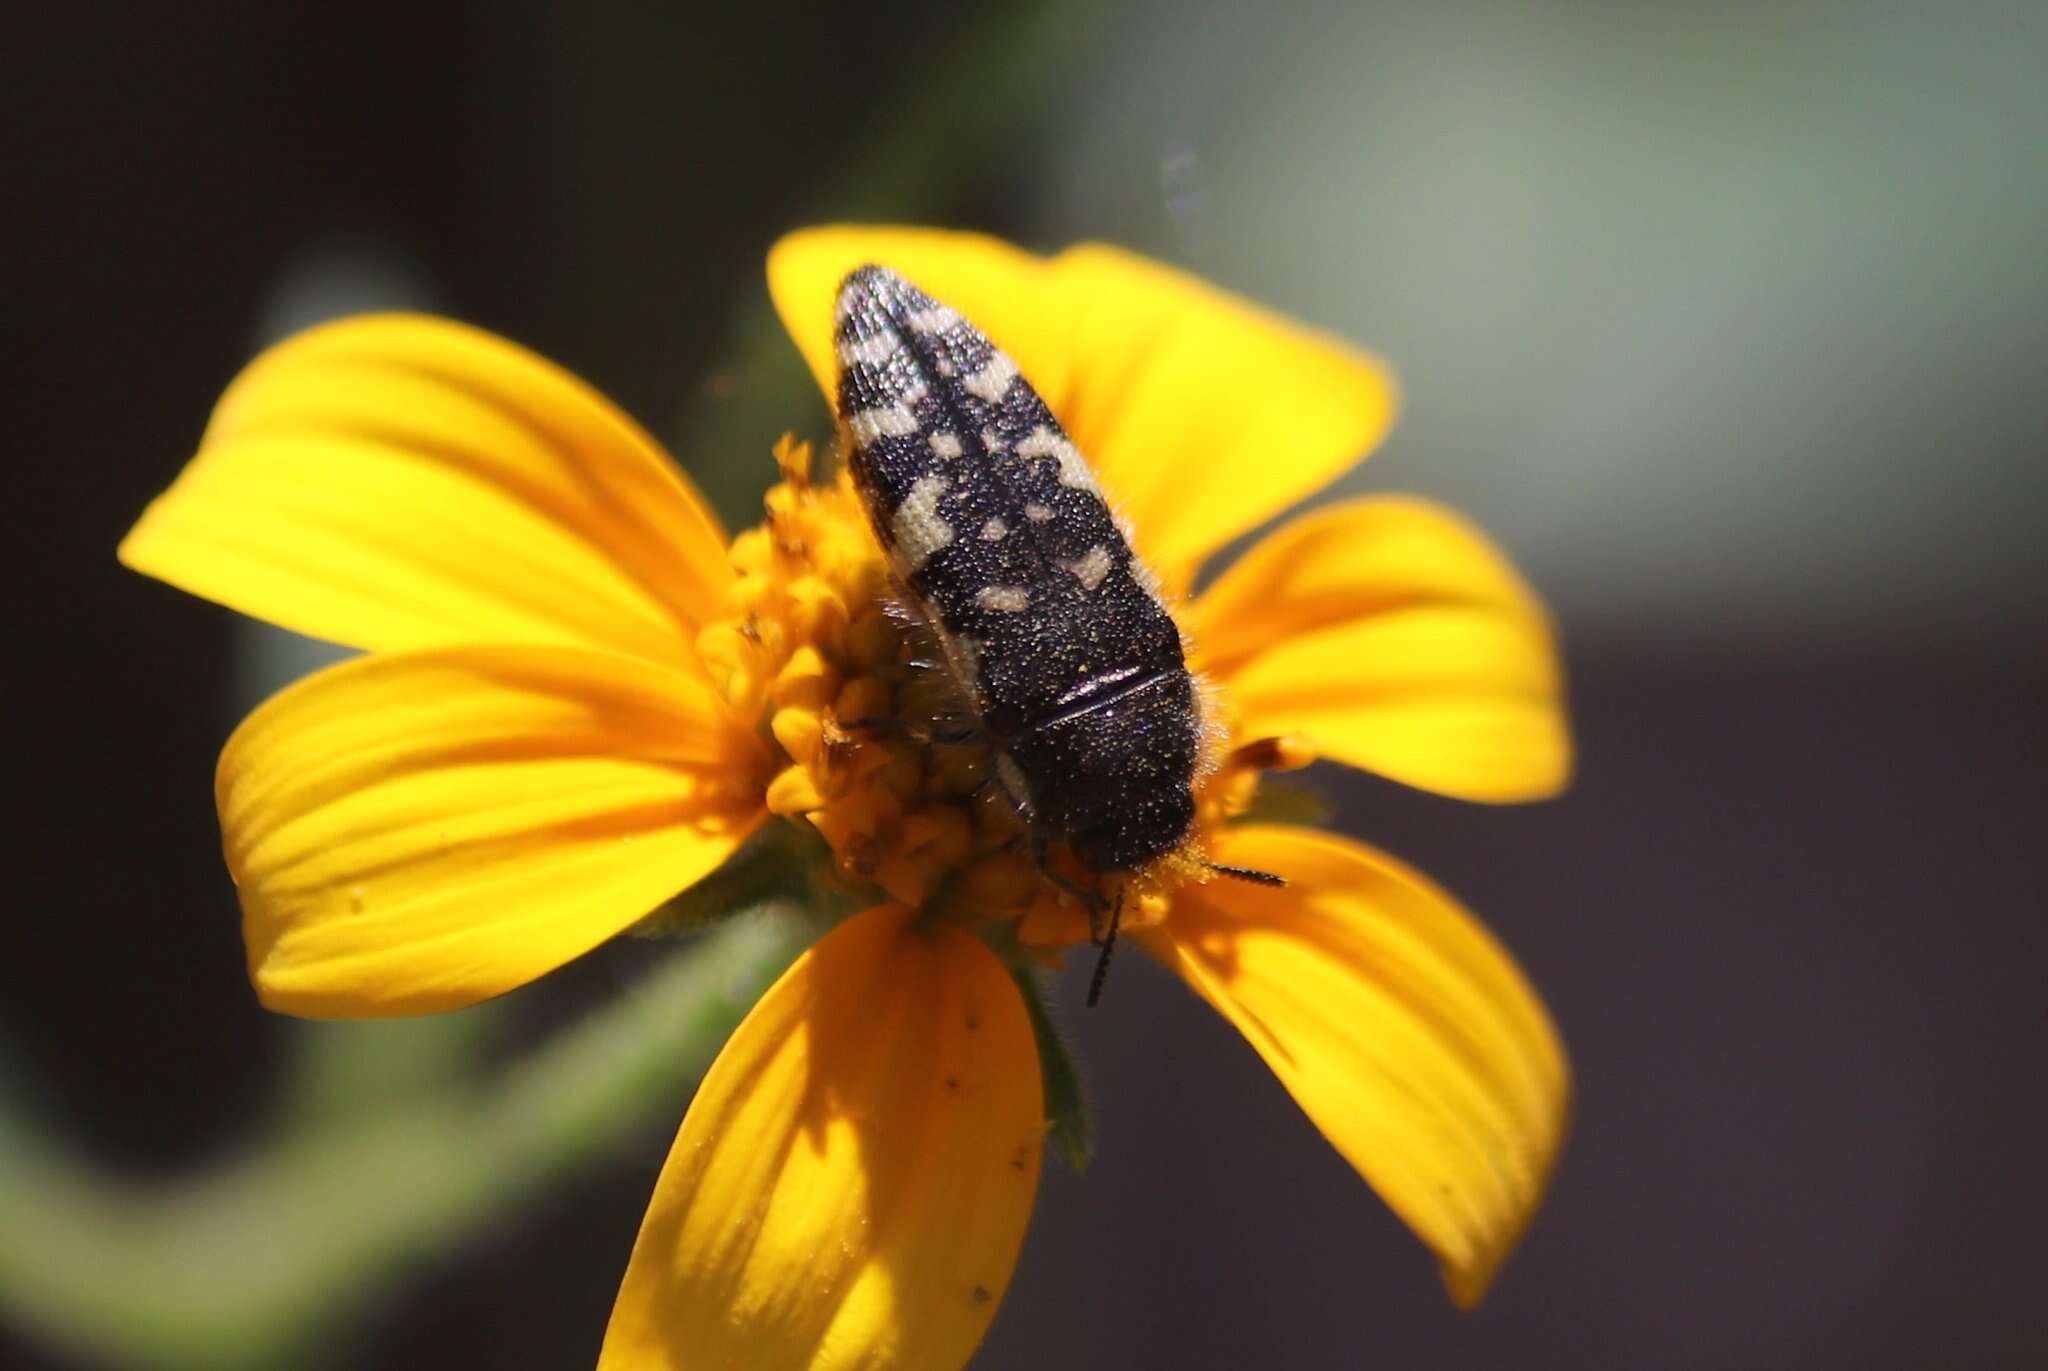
1072, 1138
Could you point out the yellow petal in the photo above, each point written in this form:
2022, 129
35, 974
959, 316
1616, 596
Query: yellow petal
394, 481
1392, 634
420, 831
1203, 414
1400, 1027
851, 1186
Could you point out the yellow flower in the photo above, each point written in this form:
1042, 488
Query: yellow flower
581, 699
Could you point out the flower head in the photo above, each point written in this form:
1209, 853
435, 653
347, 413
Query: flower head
581, 699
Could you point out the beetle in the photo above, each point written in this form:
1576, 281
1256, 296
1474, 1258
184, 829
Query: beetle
1053, 630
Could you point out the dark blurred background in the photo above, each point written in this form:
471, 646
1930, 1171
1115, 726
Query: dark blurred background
1728, 320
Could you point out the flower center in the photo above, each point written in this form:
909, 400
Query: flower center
879, 750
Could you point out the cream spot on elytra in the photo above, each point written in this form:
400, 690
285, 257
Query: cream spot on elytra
992, 382
937, 319
891, 421
1074, 472
872, 352
918, 529
994, 531
1091, 568
1003, 599
946, 445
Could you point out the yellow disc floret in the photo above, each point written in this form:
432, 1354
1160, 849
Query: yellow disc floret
813, 648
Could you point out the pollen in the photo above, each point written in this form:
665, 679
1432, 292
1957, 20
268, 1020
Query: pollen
866, 734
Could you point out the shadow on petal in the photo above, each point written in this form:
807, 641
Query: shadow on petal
852, 1183
1404, 1032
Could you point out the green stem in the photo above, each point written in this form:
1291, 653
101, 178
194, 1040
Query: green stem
251, 1262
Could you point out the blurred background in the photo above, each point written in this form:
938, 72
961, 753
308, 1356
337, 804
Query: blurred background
1729, 320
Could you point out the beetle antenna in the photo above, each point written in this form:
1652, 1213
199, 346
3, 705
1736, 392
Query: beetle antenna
1116, 916
1245, 873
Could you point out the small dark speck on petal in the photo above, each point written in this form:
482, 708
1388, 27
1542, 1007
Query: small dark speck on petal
981, 1295
952, 1082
